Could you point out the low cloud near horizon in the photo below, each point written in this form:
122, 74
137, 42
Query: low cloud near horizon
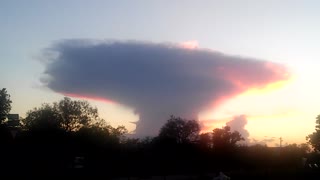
238, 123
155, 79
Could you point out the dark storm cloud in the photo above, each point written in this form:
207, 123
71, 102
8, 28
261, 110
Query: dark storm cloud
157, 80
238, 123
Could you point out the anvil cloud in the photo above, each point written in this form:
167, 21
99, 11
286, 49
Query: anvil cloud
155, 79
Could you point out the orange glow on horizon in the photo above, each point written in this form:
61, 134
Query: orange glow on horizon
209, 125
226, 108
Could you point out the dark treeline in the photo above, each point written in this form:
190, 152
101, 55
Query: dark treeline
67, 138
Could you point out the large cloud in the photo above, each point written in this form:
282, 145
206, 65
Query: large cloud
157, 80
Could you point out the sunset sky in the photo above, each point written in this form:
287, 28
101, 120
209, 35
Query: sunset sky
254, 62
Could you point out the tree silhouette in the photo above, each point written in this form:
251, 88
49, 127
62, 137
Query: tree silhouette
5, 104
67, 114
76, 114
224, 138
314, 138
45, 117
61, 137
101, 134
205, 140
180, 130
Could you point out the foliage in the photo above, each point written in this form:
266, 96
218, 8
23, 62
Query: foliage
314, 138
47, 146
223, 138
5, 104
42, 118
101, 134
205, 140
75, 114
67, 114
180, 130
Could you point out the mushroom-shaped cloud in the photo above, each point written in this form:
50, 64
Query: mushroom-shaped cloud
155, 79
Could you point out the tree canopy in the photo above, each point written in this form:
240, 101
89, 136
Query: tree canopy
67, 114
314, 138
180, 130
5, 104
62, 136
222, 138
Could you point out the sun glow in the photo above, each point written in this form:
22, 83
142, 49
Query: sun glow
272, 87
190, 44
265, 108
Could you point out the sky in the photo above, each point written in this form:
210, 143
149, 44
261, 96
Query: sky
250, 64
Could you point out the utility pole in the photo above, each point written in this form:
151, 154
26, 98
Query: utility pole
280, 141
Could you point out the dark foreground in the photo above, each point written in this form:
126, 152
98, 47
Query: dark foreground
301, 174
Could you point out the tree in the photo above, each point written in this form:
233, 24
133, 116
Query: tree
75, 114
205, 140
101, 134
314, 138
45, 117
5, 104
224, 138
67, 114
180, 130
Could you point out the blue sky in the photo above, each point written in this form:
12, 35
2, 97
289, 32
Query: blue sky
280, 31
